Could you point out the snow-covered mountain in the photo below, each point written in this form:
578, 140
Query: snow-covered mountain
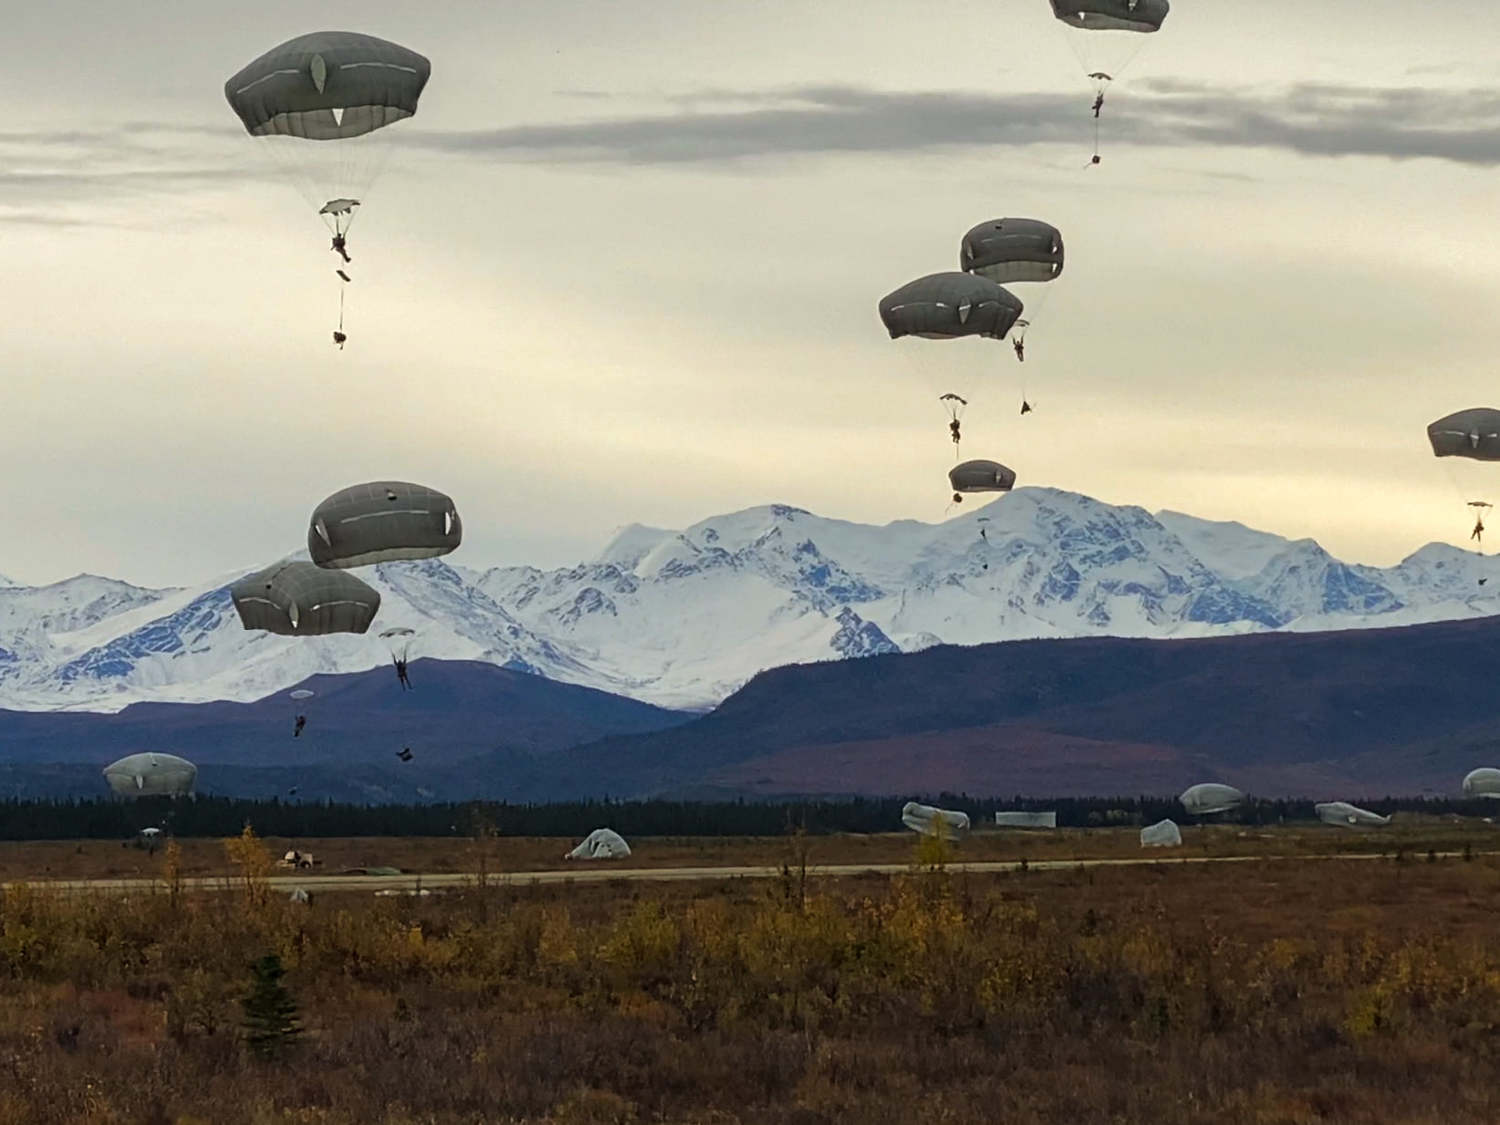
683, 618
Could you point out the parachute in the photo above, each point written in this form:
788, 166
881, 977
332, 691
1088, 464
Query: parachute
1010, 251
1025, 820
954, 404
1211, 797
1105, 36
931, 821
601, 843
151, 775
1162, 834
298, 599
1483, 782
979, 476
302, 693
382, 521
1469, 436
341, 90
399, 641
1345, 815
950, 306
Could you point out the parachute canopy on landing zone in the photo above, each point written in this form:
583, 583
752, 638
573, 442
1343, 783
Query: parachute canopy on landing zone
151, 775
601, 843
1345, 815
1010, 250
383, 521
931, 821
1483, 782
1112, 15
1162, 834
950, 306
1211, 797
1025, 820
298, 599
981, 476
1469, 433
328, 86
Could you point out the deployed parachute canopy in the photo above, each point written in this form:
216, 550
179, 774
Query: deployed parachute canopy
302, 693
1105, 36
1483, 782
1162, 834
1211, 797
601, 843
930, 821
1469, 433
1345, 815
382, 521
298, 599
399, 641
979, 476
1025, 820
949, 306
1011, 250
151, 775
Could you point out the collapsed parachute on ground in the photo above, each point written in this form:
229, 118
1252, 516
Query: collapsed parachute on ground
298, 599
601, 843
1025, 820
151, 775
950, 306
383, 521
1345, 815
1010, 250
1162, 834
1469, 433
1211, 797
971, 477
1483, 782
930, 821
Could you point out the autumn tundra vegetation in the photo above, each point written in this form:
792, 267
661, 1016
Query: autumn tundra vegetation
1282, 990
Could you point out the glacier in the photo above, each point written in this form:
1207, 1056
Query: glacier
682, 618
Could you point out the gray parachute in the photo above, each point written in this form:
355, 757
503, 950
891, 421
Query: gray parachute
383, 521
601, 843
1469, 433
1162, 834
950, 306
1011, 250
1026, 820
1345, 815
298, 599
151, 775
330, 85
930, 821
980, 476
1112, 15
1483, 782
1211, 797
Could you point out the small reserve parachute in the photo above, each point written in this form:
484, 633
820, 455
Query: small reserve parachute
298, 599
151, 775
930, 821
383, 521
1105, 36
970, 477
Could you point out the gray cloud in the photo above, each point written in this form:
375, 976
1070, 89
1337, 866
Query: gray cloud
1309, 118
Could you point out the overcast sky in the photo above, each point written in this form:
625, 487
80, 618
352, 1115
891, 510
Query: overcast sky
623, 267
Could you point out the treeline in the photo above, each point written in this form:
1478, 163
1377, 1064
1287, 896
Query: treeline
226, 816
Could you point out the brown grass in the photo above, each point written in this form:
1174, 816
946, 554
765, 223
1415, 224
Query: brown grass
97, 859
1277, 992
